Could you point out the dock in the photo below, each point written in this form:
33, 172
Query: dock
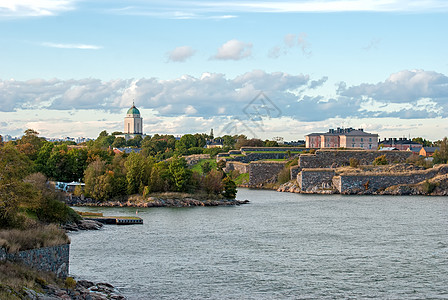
116, 220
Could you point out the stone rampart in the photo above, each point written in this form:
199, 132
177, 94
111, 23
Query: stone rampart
314, 179
271, 149
339, 158
354, 184
264, 172
234, 165
294, 171
51, 259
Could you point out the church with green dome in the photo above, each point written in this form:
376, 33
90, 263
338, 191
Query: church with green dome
133, 122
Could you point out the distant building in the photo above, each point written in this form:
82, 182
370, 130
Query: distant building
400, 144
133, 124
428, 151
126, 150
213, 144
342, 137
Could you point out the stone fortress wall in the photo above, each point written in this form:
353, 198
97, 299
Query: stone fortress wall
339, 158
51, 259
266, 171
235, 165
353, 184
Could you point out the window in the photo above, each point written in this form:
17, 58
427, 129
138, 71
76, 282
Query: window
370, 146
353, 139
353, 145
362, 145
362, 140
370, 139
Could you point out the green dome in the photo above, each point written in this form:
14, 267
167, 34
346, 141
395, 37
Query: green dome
133, 111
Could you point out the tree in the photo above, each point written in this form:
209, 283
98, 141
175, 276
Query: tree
422, 141
186, 142
230, 189
213, 183
180, 174
440, 156
135, 142
135, 167
119, 142
30, 143
14, 166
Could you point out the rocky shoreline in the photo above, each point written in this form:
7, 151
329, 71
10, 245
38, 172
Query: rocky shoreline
156, 202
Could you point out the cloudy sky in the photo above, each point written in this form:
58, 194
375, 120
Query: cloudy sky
261, 68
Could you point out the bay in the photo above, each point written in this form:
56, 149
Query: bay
280, 246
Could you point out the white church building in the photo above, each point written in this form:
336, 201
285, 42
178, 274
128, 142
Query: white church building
133, 124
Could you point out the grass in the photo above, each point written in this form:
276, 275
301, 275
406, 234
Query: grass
274, 159
89, 214
14, 278
282, 152
242, 179
15, 240
198, 167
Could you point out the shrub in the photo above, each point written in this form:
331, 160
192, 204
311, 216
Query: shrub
284, 176
428, 187
229, 188
70, 283
354, 162
380, 161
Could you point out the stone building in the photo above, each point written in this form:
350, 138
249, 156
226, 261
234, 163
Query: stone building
401, 144
342, 137
133, 123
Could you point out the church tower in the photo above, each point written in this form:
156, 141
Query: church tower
133, 123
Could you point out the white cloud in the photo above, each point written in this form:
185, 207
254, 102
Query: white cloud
234, 50
181, 54
320, 6
34, 8
72, 46
290, 42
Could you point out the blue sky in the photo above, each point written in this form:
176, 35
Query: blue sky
72, 68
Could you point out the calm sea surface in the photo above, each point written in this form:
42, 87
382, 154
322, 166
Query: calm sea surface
281, 246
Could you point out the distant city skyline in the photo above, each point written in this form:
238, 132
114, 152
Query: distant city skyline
73, 68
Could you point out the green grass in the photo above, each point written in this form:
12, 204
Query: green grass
242, 179
198, 167
283, 152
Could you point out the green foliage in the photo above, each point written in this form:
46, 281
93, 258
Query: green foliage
230, 189
179, 173
212, 183
354, 162
244, 142
70, 283
268, 143
380, 160
206, 167
440, 156
14, 166
422, 141
214, 151
119, 142
284, 175
221, 164
419, 161
135, 166
428, 187
136, 142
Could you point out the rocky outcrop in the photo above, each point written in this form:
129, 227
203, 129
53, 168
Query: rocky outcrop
83, 225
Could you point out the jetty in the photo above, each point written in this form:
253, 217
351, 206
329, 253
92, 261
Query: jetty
111, 220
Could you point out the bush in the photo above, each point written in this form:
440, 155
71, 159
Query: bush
354, 162
428, 187
229, 188
70, 283
284, 176
380, 161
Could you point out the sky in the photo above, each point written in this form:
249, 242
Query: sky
261, 68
